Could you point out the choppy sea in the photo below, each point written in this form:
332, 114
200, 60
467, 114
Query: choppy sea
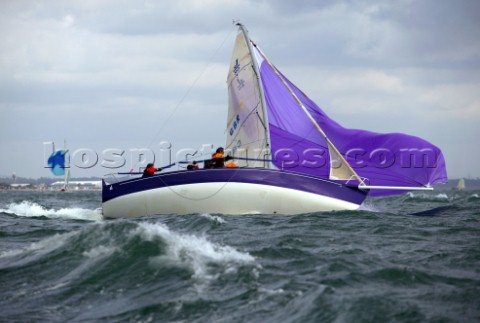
405, 258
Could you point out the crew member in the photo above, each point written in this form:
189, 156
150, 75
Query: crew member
150, 170
218, 158
192, 166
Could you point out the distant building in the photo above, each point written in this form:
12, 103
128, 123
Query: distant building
18, 186
78, 185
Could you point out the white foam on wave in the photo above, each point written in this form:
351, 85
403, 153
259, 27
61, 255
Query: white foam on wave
32, 209
193, 252
368, 206
440, 196
213, 218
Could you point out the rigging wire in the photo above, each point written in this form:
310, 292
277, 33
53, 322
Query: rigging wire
176, 108
160, 129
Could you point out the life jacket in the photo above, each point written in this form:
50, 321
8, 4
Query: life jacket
231, 165
149, 171
218, 160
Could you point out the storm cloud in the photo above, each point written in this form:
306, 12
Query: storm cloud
130, 74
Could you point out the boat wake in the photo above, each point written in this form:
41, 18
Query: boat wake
368, 205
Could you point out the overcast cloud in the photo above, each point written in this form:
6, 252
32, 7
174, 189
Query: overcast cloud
111, 74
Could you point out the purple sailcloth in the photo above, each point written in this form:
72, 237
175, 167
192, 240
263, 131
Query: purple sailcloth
392, 159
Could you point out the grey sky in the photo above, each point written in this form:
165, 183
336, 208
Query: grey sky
107, 74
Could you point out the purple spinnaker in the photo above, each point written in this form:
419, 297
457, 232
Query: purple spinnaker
392, 159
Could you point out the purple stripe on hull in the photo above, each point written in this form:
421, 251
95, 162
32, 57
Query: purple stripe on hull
261, 176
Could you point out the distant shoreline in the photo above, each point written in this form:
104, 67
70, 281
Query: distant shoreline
45, 182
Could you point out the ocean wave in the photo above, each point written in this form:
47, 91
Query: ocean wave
38, 249
32, 209
213, 218
437, 211
112, 243
99, 252
262, 268
428, 197
192, 252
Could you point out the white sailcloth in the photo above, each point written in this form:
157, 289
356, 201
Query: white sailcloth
246, 123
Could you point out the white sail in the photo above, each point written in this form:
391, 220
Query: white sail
461, 184
247, 133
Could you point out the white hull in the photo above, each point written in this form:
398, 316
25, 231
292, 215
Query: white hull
221, 197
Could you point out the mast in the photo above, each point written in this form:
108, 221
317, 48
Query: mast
66, 166
256, 69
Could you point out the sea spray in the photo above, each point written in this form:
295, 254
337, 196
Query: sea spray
32, 209
192, 252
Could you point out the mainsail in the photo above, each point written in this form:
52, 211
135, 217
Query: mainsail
271, 118
247, 134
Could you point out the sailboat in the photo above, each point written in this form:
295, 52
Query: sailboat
59, 164
460, 185
291, 157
